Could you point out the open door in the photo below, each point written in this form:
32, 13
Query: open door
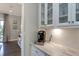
1, 30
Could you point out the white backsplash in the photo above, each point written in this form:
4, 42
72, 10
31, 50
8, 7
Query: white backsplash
65, 37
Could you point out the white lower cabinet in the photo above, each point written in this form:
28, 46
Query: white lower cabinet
37, 52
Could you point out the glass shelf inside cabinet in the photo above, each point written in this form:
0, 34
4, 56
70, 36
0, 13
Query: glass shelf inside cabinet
63, 13
42, 13
49, 13
77, 11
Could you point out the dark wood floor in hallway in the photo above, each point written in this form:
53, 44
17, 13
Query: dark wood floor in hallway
11, 49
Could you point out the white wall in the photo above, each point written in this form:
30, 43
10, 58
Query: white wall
66, 37
14, 33
30, 23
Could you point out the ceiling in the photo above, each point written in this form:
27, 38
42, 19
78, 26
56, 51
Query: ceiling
11, 8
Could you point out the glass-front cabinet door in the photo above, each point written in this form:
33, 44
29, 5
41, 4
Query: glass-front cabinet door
76, 21
63, 13
75, 14
77, 11
42, 14
46, 14
49, 14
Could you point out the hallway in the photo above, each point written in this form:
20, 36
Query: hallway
10, 49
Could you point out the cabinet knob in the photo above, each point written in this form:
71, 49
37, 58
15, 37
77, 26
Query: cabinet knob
72, 21
69, 22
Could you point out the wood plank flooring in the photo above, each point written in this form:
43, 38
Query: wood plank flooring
11, 49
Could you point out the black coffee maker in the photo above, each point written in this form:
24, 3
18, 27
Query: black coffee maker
41, 36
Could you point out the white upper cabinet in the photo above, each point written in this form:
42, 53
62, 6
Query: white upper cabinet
42, 14
49, 14
45, 14
68, 14
76, 14
59, 14
63, 14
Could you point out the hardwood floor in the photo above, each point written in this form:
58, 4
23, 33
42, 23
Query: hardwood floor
11, 49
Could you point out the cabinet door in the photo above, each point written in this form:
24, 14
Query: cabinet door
49, 14
42, 7
77, 11
76, 20
63, 14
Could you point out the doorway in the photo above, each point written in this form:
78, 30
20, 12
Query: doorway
1, 30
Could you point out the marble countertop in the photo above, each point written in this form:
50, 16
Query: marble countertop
54, 49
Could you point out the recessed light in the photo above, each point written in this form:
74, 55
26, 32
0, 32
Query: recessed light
57, 31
